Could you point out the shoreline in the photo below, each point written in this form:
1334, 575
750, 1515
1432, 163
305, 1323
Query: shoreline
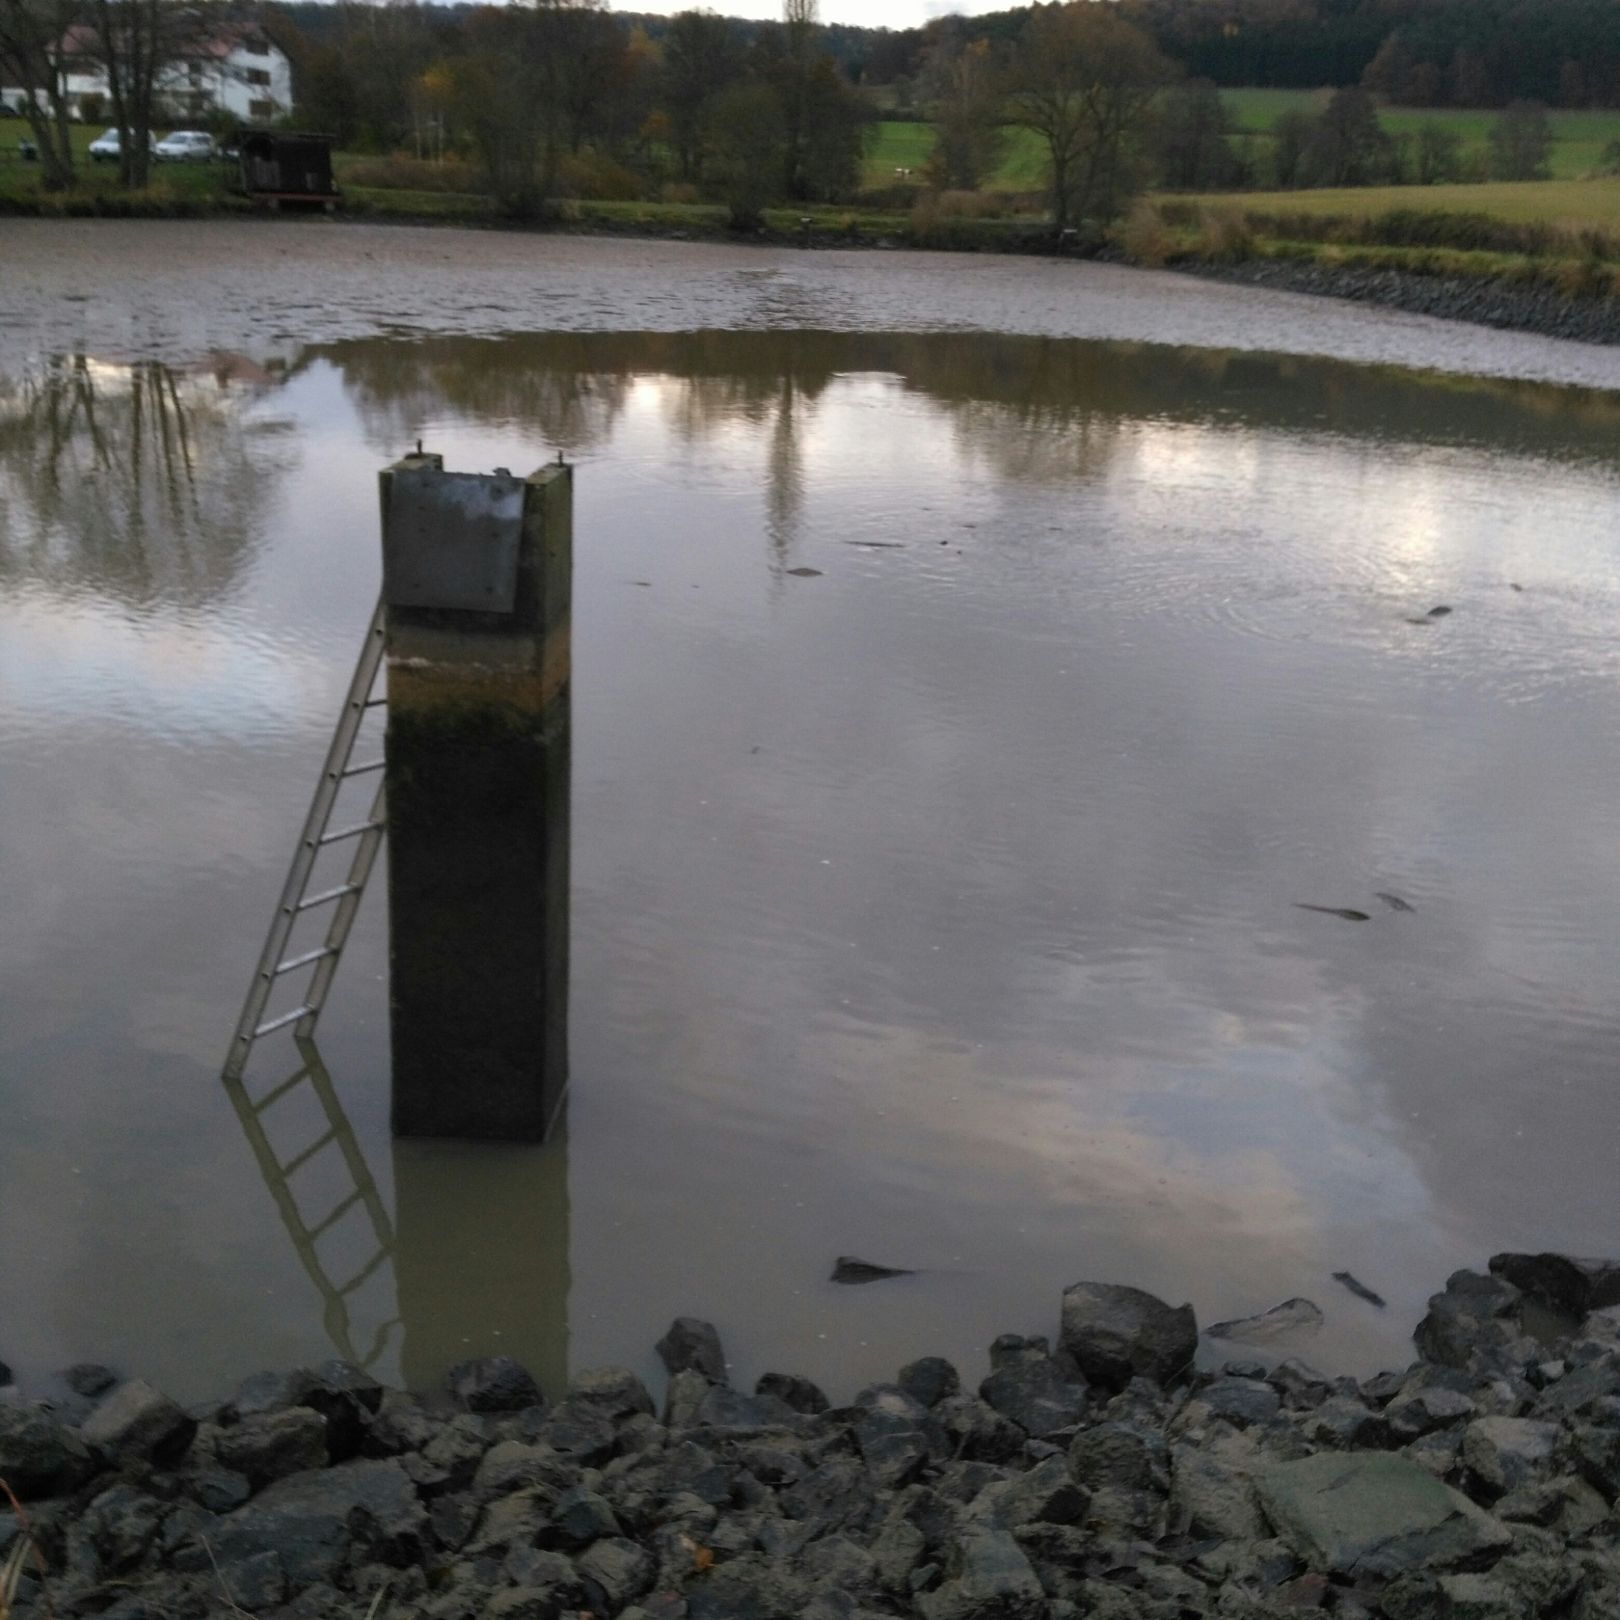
1097, 1473
1506, 302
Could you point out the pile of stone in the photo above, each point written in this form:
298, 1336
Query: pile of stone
1107, 1478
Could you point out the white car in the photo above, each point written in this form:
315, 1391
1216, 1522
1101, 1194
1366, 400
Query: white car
105, 147
185, 146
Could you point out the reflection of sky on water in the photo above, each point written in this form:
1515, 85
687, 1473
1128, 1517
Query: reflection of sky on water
939, 909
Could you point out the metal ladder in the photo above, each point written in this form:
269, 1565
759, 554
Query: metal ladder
295, 900
278, 1177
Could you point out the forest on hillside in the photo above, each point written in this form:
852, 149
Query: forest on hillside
1465, 53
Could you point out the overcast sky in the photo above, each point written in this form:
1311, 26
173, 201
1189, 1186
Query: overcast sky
872, 13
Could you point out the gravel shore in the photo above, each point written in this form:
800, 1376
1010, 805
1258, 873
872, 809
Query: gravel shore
1102, 1477
1504, 305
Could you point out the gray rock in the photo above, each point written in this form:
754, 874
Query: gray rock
218, 1489
692, 1345
1473, 1314
899, 1548
1505, 1453
1242, 1402
493, 1384
1374, 1513
684, 1398
836, 1563
1119, 1456
272, 1445
1034, 1395
1116, 1333
792, 1390
515, 1465
253, 1583
988, 1574
1008, 1348
137, 1423
1440, 1452
1044, 1494
1341, 1423
734, 1413
614, 1571
1453, 1597
314, 1520
510, 1521
929, 1380
577, 1518
1209, 1498
88, 1379
894, 1449
1424, 1410
977, 1430
1572, 1287
40, 1457
746, 1588
891, 1401
578, 1432
616, 1392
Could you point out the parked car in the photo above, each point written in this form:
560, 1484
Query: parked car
105, 148
185, 146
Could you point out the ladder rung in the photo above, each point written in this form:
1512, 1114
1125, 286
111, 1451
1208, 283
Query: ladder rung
351, 832
327, 895
337, 1214
283, 1021
302, 961
299, 1160
364, 1273
363, 770
374, 703
277, 1093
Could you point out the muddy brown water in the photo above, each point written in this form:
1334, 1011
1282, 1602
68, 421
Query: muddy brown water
941, 907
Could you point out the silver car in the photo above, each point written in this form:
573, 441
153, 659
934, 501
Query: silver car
185, 146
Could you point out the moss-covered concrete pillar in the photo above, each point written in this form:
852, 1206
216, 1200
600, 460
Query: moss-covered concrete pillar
476, 578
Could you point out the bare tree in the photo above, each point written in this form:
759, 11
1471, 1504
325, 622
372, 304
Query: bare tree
702, 56
962, 83
31, 57
136, 42
1085, 80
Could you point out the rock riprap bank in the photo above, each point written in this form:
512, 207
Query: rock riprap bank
1108, 1477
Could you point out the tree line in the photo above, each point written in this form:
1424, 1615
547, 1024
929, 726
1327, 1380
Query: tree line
1421, 53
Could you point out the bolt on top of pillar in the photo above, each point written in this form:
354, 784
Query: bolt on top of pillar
476, 583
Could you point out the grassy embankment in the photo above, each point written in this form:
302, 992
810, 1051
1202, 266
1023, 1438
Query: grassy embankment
1565, 230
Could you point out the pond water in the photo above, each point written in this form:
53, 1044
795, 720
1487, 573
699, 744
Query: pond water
942, 907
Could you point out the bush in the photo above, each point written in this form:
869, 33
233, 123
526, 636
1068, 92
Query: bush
401, 172
1144, 236
1225, 234
596, 178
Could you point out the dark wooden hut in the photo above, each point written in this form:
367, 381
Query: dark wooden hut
280, 166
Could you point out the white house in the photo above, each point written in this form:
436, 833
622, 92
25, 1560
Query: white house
236, 71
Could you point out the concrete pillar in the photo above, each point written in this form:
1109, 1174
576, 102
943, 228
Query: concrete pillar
476, 581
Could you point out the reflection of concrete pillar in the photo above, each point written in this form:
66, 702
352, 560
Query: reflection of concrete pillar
481, 1257
476, 577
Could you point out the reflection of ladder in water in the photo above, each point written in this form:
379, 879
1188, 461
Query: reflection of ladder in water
278, 1175
319, 834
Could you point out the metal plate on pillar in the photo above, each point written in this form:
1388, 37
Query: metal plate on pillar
451, 540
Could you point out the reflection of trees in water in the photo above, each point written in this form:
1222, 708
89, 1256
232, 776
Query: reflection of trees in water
1031, 409
400, 387
136, 481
